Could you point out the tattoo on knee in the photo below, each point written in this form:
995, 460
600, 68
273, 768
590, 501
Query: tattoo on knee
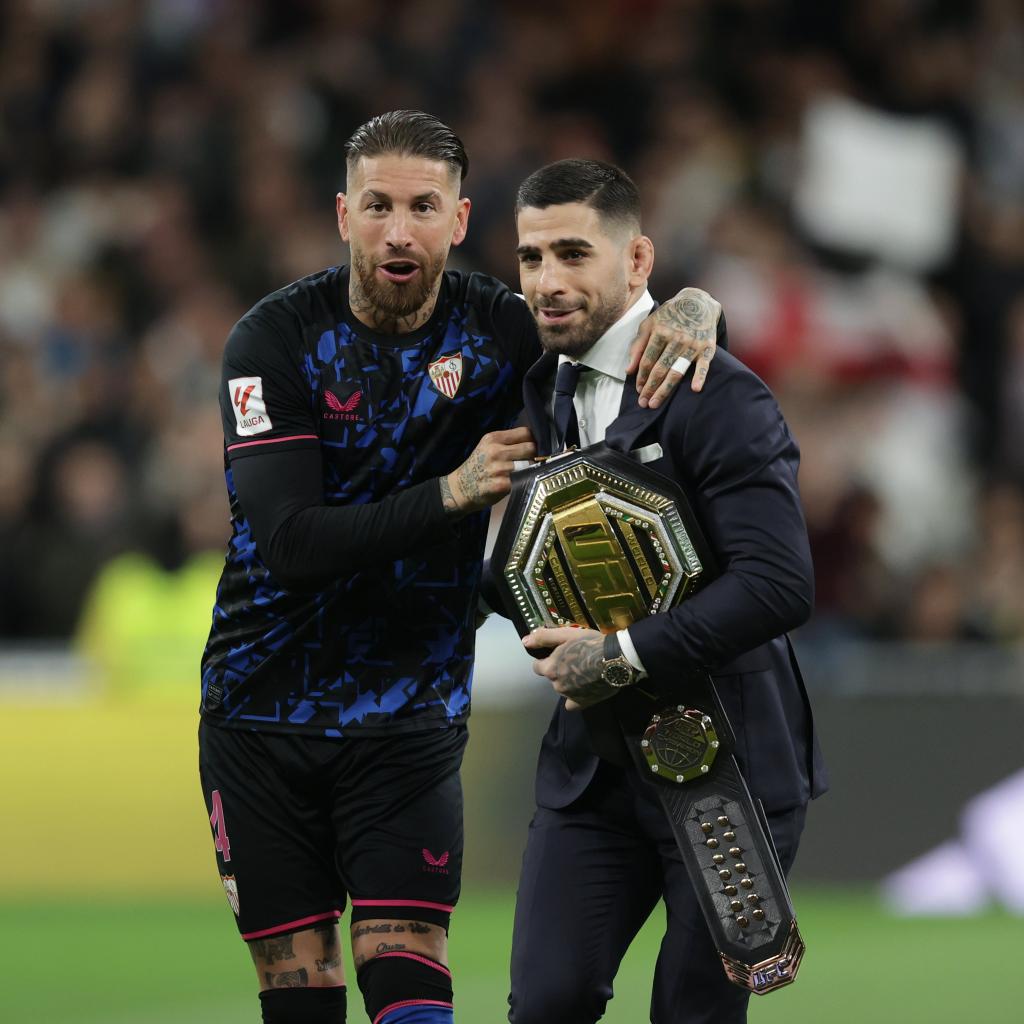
273, 950
331, 959
287, 979
394, 937
391, 928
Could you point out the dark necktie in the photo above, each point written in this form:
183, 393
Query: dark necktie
567, 429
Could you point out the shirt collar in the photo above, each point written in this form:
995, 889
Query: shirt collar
610, 353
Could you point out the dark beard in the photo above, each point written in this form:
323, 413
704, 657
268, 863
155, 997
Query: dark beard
574, 340
394, 302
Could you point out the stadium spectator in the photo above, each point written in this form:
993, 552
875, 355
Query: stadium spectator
160, 162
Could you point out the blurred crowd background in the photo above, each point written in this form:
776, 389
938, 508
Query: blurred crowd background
847, 178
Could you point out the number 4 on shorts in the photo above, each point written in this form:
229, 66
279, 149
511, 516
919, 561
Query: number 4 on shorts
220, 829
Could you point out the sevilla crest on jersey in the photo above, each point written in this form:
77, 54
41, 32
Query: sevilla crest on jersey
446, 374
231, 889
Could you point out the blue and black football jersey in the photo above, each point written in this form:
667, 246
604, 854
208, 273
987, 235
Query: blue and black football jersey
383, 641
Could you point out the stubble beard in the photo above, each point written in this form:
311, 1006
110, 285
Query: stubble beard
393, 306
574, 340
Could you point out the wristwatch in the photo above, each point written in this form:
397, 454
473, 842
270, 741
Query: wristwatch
616, 670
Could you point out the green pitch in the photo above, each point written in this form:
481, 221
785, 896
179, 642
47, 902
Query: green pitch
182, 964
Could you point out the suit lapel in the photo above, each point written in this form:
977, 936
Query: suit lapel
537, 389
632, 421
622, 433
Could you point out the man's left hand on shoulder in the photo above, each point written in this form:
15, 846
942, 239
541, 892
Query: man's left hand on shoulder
678, 333
574, 666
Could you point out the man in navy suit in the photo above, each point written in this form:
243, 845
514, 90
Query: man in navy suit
600, 853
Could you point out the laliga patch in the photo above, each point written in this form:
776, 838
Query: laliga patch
446, 374
231, 889
246, 394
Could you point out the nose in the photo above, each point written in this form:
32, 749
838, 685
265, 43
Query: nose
398, 235
549, 279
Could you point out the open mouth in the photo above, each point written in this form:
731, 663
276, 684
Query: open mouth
399, 271
549, 315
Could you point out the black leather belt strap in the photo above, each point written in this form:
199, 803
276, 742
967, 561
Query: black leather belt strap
720, 830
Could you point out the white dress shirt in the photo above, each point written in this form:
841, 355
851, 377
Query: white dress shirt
599, 395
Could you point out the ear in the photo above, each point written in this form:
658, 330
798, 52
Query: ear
461, 220
341, 201
641, 261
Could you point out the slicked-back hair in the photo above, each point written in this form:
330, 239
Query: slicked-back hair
407, 133
605, 187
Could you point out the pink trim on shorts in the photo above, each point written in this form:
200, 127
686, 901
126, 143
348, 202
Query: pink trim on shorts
410, 1002
403, 903
291, 926
419, 959
273, 440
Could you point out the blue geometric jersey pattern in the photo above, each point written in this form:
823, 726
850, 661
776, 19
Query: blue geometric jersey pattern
388, 647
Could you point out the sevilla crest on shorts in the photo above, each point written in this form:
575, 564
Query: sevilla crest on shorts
231, 888
446, 374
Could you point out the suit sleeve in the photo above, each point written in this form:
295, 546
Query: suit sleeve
742, 480
273, 450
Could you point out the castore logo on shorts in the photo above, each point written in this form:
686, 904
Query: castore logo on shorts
435, 865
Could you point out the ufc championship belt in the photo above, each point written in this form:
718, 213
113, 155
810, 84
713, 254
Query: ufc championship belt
592, 537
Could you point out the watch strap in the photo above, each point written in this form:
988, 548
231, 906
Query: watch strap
612, 647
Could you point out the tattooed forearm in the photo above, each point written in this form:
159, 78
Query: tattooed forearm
579, 664
447, 498
471, 476
272, 950
287, 979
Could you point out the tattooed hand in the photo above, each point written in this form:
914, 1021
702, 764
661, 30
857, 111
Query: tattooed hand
485, 477
685, 328
574, 666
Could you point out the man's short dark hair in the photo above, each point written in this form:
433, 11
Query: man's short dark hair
407, 133
605, 187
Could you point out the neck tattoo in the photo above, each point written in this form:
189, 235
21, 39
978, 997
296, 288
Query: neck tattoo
380, 320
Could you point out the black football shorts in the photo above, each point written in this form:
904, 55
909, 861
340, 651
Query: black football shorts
301, 823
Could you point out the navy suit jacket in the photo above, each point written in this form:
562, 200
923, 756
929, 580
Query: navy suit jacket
732, 454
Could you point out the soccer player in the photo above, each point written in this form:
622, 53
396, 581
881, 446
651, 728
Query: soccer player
367, 415
601, 853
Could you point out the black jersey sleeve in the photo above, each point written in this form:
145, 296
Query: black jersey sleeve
513, 324
306, 543
273, 446
265, 402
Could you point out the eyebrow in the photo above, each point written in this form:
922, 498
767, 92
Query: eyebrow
433, 194
558, 243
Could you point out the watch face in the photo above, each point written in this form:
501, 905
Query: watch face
616, 673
